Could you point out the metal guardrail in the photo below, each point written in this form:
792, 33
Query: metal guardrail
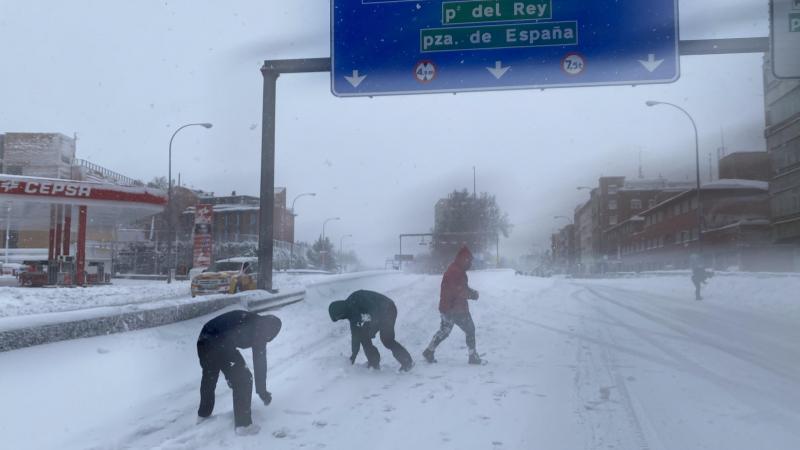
107, 173
13, 339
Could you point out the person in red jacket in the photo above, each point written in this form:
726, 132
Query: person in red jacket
454, 308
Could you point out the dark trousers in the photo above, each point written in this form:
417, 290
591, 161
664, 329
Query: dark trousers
698, 283
463, 320
229, 361
386, 330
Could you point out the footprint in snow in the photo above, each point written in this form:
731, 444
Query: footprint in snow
281, 433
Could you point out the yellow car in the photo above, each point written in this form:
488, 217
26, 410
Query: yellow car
227, 276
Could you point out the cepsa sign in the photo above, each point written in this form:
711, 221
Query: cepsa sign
45, 188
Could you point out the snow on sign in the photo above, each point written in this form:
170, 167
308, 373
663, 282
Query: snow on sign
785, 35
382, 47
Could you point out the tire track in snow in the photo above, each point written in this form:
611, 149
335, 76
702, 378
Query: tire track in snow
603, 429
788, 372
753, 396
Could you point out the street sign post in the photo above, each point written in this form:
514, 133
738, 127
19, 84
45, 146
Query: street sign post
785, 37
382, 47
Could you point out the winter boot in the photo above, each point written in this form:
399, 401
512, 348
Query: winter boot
428, 355
248, 430
474, 358
407, 366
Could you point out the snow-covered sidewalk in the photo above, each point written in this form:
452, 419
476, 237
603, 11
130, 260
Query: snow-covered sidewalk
572, 364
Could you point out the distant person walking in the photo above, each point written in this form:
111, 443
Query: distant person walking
217, 350
370, 313
699, 275
453, 306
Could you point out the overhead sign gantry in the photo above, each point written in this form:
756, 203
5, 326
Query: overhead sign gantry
383, 47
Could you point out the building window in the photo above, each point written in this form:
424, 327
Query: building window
636, 204
252, 219
612, 220
612, 204
651, 203
14, 170
612, 189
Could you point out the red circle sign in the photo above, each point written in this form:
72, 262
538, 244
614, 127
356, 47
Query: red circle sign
425, 71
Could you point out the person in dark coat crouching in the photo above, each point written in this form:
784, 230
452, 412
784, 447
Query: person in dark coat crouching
217, 349
370, 313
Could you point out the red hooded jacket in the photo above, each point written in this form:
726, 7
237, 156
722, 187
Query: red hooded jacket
455, 288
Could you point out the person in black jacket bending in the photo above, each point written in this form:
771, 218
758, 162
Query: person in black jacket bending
370, 313
217, 350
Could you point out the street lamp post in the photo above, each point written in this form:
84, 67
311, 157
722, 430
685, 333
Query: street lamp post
341, 250
697, 168
329, 219
170, 223
8, 227
291, 247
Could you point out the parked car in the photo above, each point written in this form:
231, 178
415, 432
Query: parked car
227, 276
35, 274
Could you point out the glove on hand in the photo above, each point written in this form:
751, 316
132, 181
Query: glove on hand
266, 397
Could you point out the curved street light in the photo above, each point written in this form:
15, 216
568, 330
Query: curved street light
170, 223
329, 219
305, 194
697, 165
563, 217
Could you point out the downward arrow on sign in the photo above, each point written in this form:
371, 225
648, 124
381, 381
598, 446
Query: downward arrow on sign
652, 63
498, 70
356, 79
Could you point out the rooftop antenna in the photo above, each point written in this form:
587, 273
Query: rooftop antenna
641, 171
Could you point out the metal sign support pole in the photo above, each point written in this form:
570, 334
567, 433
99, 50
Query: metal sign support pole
271, 70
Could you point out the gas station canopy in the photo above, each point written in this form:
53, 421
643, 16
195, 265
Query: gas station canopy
31, 199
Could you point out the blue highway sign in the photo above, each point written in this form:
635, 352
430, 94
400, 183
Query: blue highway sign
382, 47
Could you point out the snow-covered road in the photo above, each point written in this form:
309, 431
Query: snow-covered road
612, 364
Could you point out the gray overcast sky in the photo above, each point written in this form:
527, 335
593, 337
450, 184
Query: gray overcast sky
124, 74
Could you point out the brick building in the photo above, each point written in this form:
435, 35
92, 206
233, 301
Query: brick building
584, 255
613, 201
564, 249
736, 230
236, 218
745, 166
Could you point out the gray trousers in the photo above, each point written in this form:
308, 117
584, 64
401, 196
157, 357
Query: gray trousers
463, 320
